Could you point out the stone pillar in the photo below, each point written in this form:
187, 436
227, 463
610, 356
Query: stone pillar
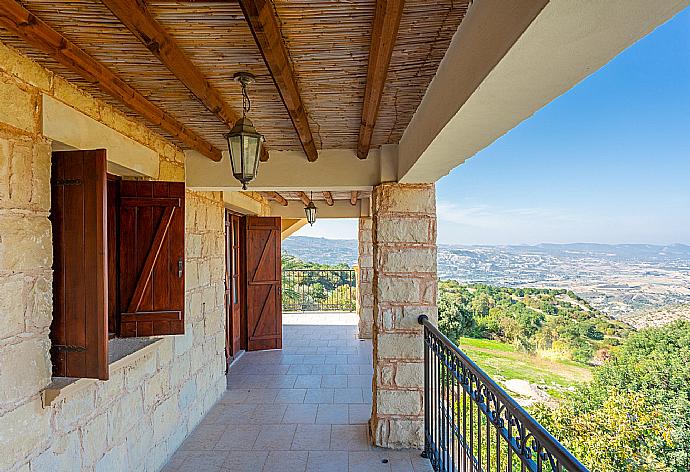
365, 274
405, 284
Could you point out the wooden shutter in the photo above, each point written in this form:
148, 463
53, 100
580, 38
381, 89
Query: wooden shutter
264, 310
151, 258
79, 330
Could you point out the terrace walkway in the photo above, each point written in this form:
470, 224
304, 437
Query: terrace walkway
304, 408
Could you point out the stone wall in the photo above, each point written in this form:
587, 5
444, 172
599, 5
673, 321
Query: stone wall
365, 275
405, 284
136, 419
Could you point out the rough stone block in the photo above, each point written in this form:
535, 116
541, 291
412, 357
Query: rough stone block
405, 230
18, 106
406, 433
76, 98
94, 439
64, 455
170, 171
408, 260
399, 346
141, 369
398, 290
402, 198
21, 431
20, 383
398, 402
25, 243
24, 68
410, 374
12, 304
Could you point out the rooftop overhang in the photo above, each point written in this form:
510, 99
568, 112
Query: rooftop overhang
507, 60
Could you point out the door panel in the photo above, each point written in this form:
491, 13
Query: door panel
264, 309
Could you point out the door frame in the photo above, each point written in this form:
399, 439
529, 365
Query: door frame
234, 282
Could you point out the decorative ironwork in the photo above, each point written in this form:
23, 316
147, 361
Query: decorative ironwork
319, 290
472, 425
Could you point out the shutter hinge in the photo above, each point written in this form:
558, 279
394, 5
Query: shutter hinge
68, 348
68, 182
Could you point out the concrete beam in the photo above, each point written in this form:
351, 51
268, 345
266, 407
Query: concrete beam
508, 59
289, 226
340, 209
335, 170
71, 129
241, 203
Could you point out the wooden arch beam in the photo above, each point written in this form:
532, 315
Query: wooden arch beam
264, 24
329, 198
354, 196
383, 36
275, 196
134, 15
34, 31
305, 199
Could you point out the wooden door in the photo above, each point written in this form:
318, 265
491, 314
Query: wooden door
233, 304
151, 258
264, 309
79, 330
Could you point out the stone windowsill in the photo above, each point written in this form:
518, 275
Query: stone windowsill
121, 352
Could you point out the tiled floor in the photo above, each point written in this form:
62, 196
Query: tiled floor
304, 408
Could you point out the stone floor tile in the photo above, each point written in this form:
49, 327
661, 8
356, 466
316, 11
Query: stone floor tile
328, 369
300, 369
244, 461
319, 395
332, 414
300, 414
334, 381
327, 461
349, 437
348, 395
369, 461
335, 359
267, 413
232, 396
203, 438
261, 395
290, 395
308, 381
345, 369
312, 437
359, 380
359, 413
292, 461
275, 437
206, 460
240, 437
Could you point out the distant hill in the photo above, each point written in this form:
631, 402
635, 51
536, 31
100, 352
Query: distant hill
322, 250
622, 280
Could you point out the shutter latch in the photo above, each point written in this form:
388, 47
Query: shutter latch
68, 348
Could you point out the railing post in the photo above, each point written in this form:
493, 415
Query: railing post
425, 453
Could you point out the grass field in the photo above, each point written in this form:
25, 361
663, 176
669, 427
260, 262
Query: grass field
503, 362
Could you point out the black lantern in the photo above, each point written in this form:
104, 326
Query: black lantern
310, 211
244, 142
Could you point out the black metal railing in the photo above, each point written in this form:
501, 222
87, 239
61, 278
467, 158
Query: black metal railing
472, 425
319, 290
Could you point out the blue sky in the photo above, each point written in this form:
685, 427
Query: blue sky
607, 162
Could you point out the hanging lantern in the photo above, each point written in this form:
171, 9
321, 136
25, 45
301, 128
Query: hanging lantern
310, 211
244, 142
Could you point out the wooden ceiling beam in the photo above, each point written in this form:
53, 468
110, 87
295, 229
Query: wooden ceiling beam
353, 197
305, 199
265, 26
134, 15
383, 37
40, 35
275, 196
329, 198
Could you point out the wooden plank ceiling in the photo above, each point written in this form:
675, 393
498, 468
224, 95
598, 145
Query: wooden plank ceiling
327, 43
